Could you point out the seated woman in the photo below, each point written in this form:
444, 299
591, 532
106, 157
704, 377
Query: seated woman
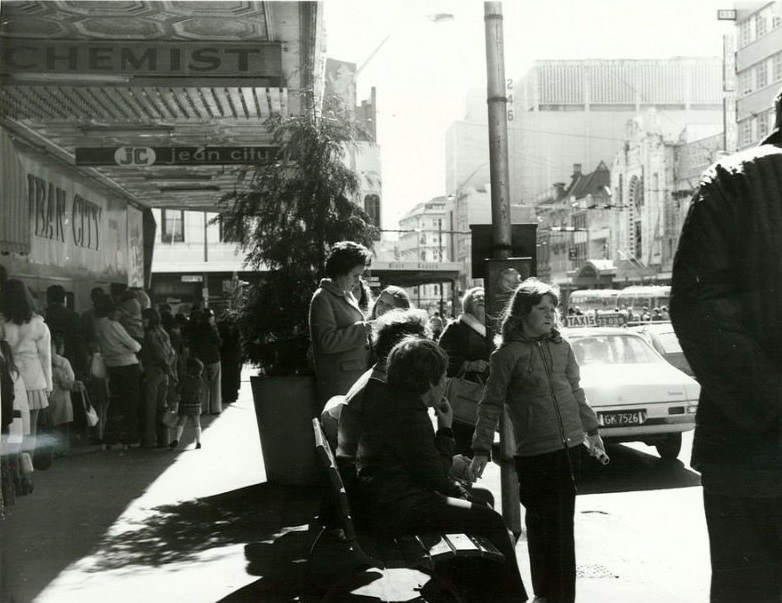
403, 465
341, 419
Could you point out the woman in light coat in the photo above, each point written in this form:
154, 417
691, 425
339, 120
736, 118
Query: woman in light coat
119, 352
30, 341
338, 329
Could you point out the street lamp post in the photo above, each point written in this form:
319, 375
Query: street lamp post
501, 226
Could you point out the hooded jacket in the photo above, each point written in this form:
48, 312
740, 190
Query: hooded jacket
539, 380
726, 309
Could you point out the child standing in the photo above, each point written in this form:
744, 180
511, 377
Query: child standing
190, 392
60, 405
534, 374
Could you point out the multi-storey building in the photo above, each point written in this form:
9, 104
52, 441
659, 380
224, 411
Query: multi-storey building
575, 111
612, 228
425, 236
758, 62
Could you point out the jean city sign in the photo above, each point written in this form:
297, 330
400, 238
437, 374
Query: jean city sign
155, 156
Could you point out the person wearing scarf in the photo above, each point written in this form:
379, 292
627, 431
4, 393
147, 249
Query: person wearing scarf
464, 339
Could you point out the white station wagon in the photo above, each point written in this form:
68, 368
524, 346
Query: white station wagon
638, 396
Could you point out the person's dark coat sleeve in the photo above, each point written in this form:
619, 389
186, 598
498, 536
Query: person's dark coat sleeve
708, 309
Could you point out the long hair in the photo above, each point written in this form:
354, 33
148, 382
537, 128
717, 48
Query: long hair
527, 294
18, 305
400, 296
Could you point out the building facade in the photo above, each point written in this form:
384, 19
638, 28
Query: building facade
575, 111
425, 236
758, 65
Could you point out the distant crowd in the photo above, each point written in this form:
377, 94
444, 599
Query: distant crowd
119, 375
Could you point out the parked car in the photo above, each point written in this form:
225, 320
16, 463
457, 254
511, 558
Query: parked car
637, 395
663, 338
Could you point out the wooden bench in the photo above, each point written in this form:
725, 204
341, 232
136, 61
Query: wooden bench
366, 549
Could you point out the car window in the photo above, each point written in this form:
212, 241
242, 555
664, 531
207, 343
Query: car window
611, 349
669, 342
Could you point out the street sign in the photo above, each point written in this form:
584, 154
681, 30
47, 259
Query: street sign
192, 278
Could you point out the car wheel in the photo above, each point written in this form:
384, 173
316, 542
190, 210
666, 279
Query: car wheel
669, 448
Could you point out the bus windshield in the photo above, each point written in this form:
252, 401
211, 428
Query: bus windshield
593, 300
651, 297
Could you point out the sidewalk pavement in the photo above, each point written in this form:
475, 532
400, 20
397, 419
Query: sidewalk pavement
204, 526
157, 525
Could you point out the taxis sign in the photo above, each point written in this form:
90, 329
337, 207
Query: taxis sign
592, 320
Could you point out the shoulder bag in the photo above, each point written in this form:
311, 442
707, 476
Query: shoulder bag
464, 395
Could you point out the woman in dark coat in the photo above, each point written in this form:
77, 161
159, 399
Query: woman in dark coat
468, 352
338, 329
230, 358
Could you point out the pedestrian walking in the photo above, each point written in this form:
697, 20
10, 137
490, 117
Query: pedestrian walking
190, 391
726, 296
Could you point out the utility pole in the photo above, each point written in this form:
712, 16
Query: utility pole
501, 226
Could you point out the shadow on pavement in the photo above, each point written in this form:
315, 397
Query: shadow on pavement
179, 532
633, 470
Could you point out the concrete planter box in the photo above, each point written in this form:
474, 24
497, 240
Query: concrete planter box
284, 407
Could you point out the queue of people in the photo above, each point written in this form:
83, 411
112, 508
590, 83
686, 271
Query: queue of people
106, 377
382, 377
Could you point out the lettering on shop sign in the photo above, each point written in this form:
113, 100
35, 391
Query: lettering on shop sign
49, 205
149, 156
135, 58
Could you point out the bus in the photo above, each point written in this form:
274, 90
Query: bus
593, 300
637, 297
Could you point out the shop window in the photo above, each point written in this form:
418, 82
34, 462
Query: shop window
172, 227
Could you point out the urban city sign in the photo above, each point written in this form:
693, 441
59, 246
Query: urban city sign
148, 156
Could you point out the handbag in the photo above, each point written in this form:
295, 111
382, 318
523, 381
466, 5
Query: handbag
97, 366
170, 418
464, 395
90, 414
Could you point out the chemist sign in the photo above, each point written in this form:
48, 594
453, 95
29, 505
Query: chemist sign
136, 157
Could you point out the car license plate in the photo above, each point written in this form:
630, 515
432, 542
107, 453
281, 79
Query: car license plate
619, 419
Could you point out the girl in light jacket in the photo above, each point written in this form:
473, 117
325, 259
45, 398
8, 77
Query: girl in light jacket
534, 373
30, 341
